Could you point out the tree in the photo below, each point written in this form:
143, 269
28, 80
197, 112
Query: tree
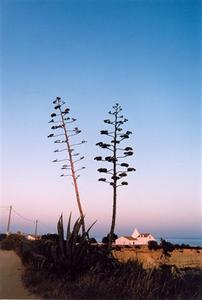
119, 169
61, 122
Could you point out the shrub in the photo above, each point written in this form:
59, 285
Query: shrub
12, 242
50, 236
2, 236
71, 257
153, 245
185, 246
92, 240
105, 239
166, 246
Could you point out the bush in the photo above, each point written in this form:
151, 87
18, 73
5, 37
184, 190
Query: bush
153, 245
70, 258
2, 236
166, 246
92, 240
12, 242
105, 239
50, 236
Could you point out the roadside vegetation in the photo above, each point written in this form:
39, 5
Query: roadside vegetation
76, 268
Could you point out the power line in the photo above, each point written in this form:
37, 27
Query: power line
26, 219
44, 224
5, 207
35, 222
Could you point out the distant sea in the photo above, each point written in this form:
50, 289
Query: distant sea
186, 241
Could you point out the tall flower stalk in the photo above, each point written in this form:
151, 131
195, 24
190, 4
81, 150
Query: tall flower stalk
61, 122
118, 169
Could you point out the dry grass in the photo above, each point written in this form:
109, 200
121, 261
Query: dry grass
123, 281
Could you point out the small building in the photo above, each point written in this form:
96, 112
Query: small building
136, 238
125, 240
32, 237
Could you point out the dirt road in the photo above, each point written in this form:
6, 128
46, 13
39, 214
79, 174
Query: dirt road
11, 286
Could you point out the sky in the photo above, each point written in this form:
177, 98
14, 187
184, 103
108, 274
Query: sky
145, 55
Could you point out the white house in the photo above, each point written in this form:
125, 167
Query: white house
32, 237
136, 238
125, 240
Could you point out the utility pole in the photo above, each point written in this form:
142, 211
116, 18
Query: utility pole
9, 221
36, 224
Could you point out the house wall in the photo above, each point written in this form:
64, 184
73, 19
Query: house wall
31, 238
124, 241
139, 240
144, 240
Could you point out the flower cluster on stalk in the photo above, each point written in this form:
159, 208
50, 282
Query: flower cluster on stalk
62, 133
118, 169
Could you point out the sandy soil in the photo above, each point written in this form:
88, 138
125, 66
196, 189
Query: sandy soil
11, 286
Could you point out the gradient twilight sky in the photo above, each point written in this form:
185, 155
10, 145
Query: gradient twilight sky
144, 55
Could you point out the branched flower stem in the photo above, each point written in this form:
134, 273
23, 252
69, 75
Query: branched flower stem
115, 182
69, 152
117, 175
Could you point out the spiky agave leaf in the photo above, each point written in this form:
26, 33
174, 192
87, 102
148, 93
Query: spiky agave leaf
87, 232
69, 227
76, 229
61, 234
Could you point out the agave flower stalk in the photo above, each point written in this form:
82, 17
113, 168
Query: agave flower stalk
63, 122
116, 172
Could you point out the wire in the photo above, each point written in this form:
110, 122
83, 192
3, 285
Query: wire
44, 224
5, 207
26, 219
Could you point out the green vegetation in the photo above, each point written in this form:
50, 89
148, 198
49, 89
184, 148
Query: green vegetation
105, 239
61, 268
118, 281
153, 245
12, 241
167, 247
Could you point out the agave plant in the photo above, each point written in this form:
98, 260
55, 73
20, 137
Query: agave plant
72, 254
118, 169
63, 135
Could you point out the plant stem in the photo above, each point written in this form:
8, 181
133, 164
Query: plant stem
114, 185
73, 172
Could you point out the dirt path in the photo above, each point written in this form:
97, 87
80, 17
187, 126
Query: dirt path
11, 286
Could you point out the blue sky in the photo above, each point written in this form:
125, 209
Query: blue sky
144, 55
